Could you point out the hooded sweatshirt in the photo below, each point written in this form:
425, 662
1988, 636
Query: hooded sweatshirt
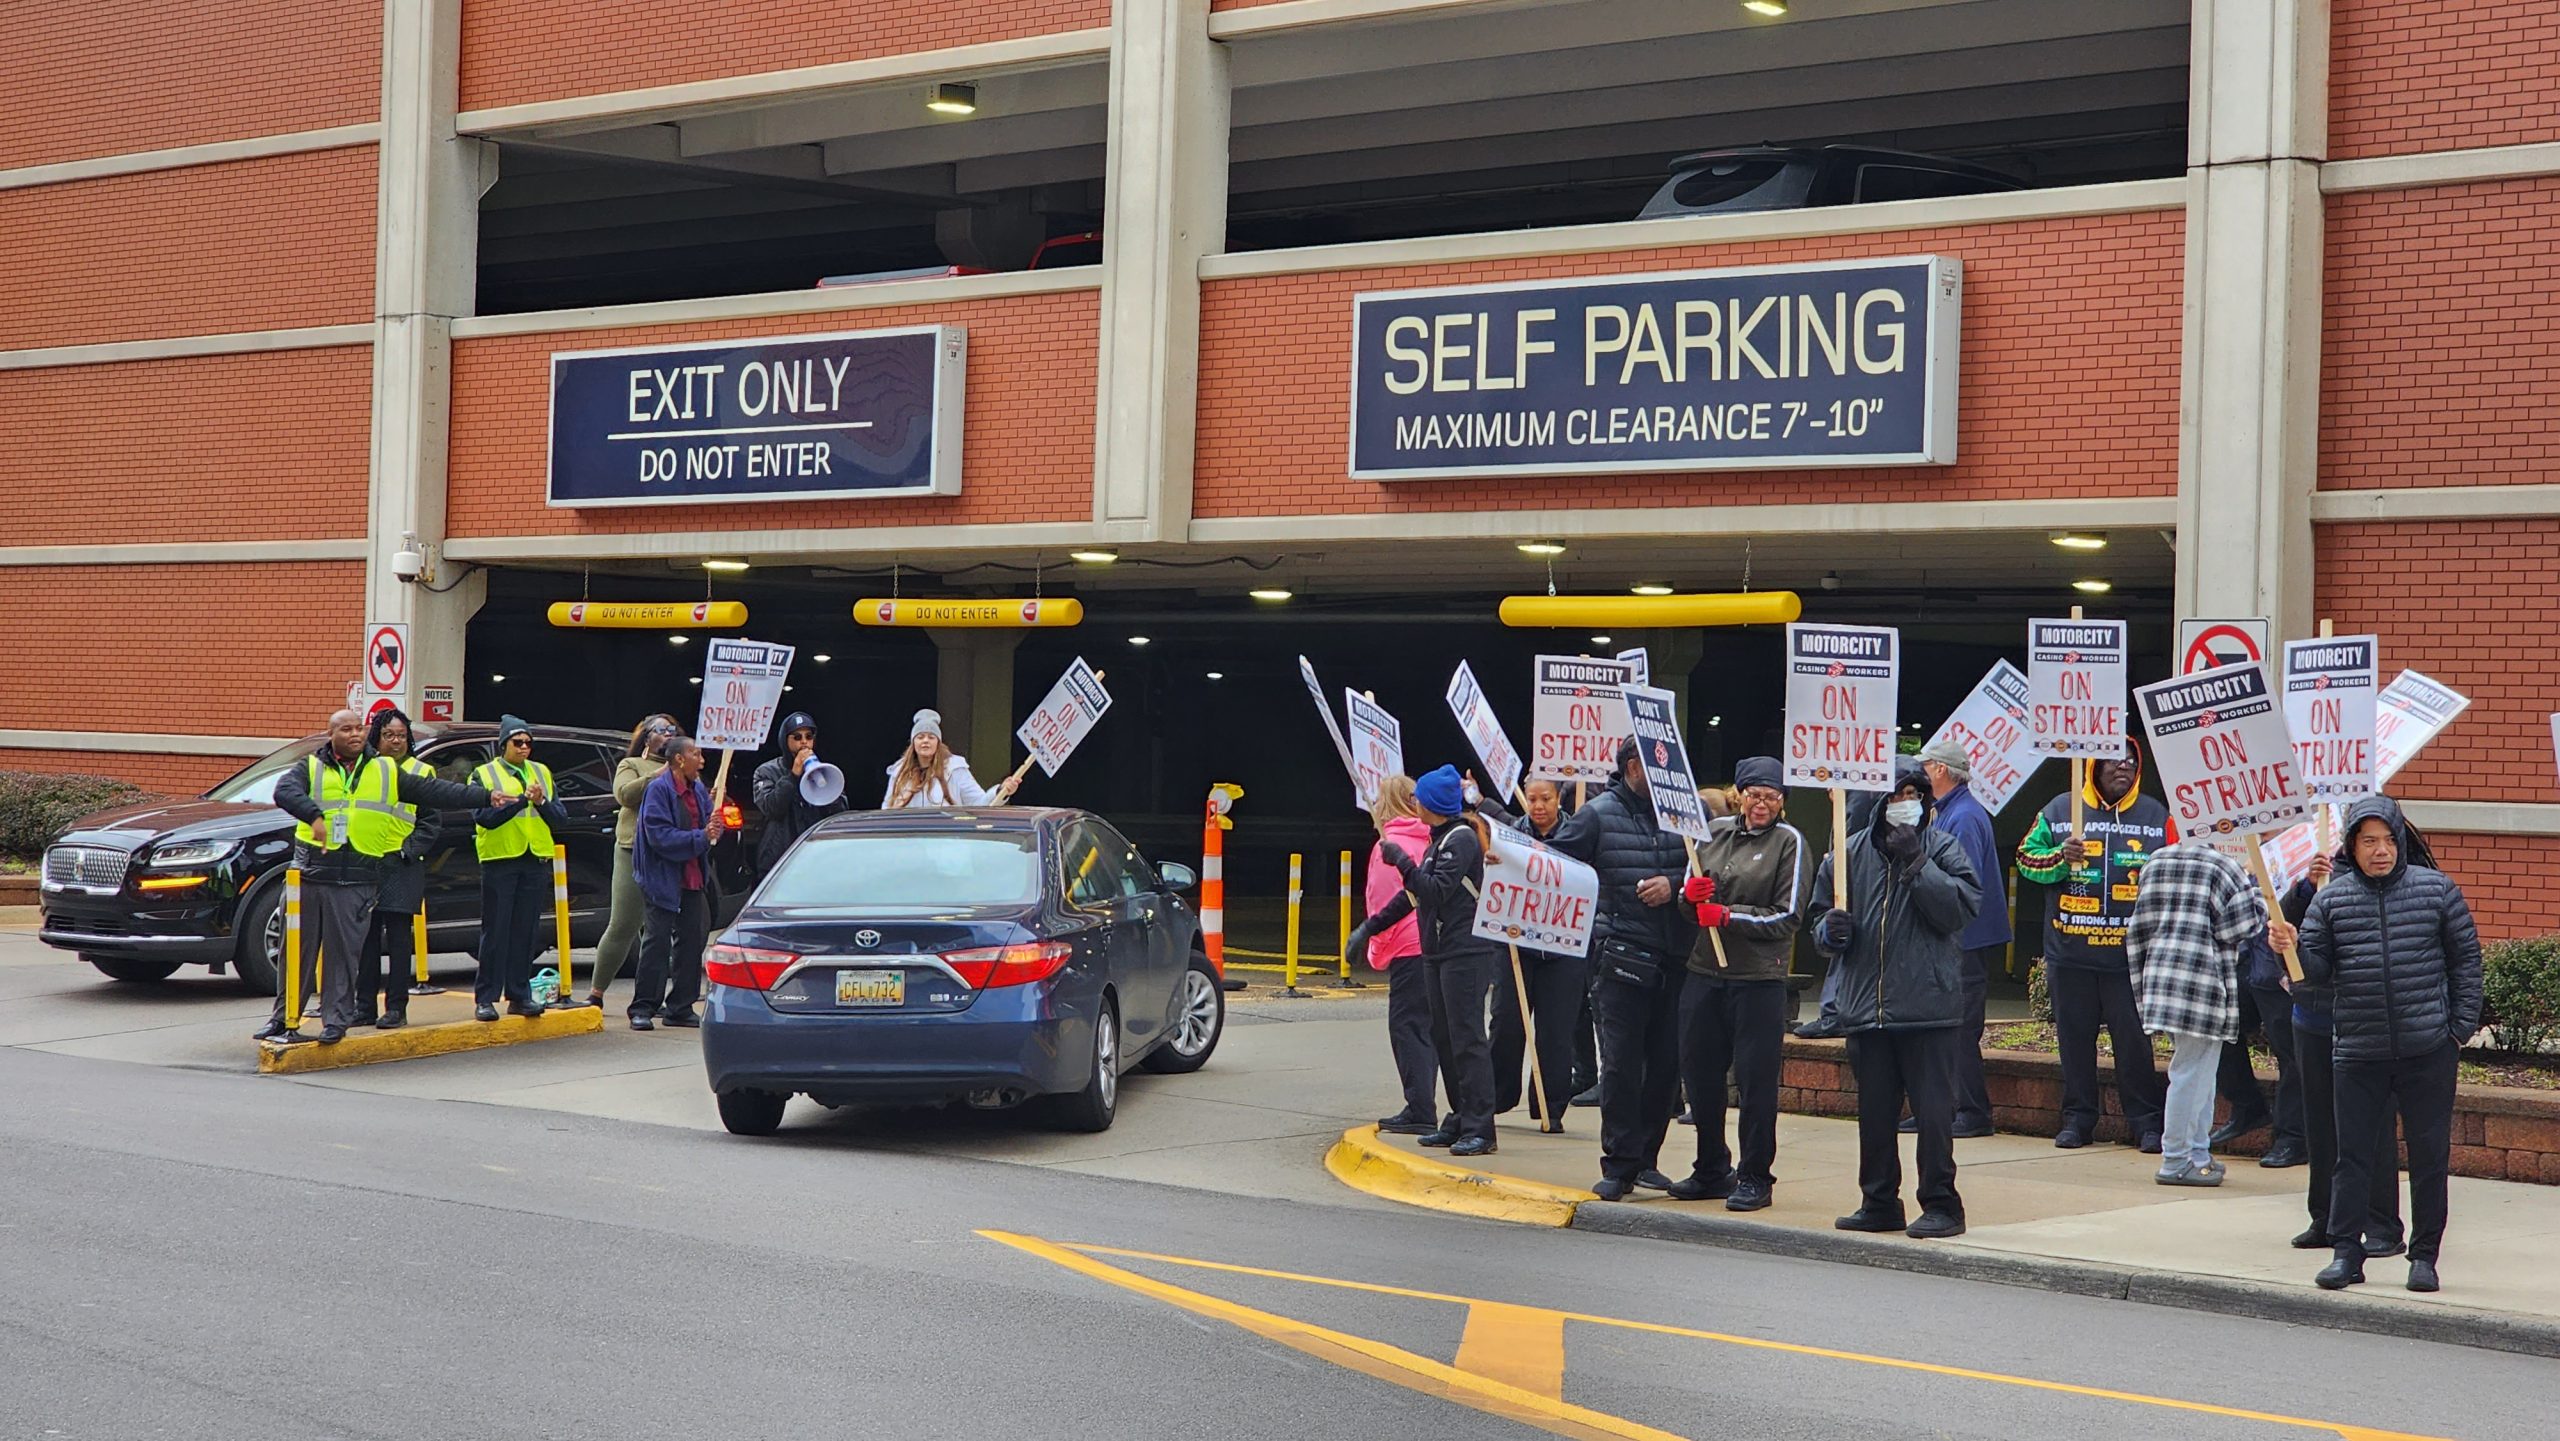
1385, 883
2093, 903
1903, 969
2397, 953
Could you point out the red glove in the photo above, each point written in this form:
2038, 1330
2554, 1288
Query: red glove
1711, 915
1698, 888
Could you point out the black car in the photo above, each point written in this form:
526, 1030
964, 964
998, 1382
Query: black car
142, 890
1775, 177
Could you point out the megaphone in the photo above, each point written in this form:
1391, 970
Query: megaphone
820, 783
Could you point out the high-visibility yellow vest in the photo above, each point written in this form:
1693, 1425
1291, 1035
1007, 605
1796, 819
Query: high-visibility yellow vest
361, 810
407, 820
526, 833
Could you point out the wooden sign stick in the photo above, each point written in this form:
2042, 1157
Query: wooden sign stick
1716, 937
1024, 769
1839, 849
2267, 884
1548, 1120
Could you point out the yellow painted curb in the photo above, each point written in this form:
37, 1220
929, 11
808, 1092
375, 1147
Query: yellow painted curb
1365, 1162
370, 1047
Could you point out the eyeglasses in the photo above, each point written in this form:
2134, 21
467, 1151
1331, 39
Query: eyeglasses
801, 736
1765, 796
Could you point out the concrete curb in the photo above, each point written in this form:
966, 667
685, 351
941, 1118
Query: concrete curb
367, 1047
1363, 1162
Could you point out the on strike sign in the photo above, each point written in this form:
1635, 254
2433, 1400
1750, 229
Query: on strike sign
1377, 745
2330, 686
2224, 752
1992, 728
1535, 897
2075, 687
1065, 717
1843, 682
1332, 727
741, 689
1668, 776
2410, 712
1484, 731
1580, 716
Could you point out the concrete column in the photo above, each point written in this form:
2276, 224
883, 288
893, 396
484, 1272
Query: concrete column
2249, 400
1164, 207
425, 262
973, 688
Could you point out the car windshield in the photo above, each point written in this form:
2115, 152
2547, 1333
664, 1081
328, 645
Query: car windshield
984, 868
1724, 181
256, 786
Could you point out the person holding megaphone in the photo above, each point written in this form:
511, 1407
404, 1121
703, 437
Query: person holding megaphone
795, 790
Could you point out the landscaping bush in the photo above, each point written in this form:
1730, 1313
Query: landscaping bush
2039, 995
35, 807
2521, 993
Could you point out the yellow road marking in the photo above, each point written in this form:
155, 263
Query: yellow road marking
1516, 1345
2341, 1429
1358, 1353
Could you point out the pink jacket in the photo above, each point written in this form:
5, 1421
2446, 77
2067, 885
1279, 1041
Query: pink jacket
1404, 938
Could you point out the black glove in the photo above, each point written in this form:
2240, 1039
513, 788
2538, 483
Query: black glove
1903, 846
1357, 943
1833, 932
1396, 857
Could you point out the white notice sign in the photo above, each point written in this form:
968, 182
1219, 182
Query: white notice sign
2330, 688
2075, 687
1843, 683
1484, 732
1580, 718
1536, 897
741, 690
1992, 728
1377, 745
1065, 717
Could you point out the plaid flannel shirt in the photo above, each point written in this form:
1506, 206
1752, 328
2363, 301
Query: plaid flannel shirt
2189, 938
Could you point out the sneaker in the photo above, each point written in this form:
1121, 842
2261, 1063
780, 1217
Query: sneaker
2238, 1126
1589, 1096
392, 1020
1401, 1125
642, 1021
2340, 1273
1935, 1226
1866, 1220
2282, 1155
1694, 1187
2315, 1238
2422, 1276
1910, 1126
2376, 1248
425, 989
484, 1012
1653, 1180
2151, 1143
332, 1035
1438, 1138
1473, 1146
685, 1019
1749, 1197
1612, 1188
1686, 1118
272, 1030
2069, 1139
526, 1009
1820, 1031
1973, 1130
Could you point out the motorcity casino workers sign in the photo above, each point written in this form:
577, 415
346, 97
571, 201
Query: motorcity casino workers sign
1852, 363
804, 417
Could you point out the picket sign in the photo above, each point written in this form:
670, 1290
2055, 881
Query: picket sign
2331, 688
1377, 746
1670, 781
742, 684
1064, 717
1993, 730
1844, 684
2226, 763
1332, 728
1535, 897
1578, 716
1484, 731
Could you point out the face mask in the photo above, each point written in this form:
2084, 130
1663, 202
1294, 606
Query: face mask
1473, 795
1902, 813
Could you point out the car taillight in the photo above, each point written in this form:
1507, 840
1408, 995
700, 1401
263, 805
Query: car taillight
1018, 965
733, 817
745, 967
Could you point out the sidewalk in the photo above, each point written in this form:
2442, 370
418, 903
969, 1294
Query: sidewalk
2091, 1221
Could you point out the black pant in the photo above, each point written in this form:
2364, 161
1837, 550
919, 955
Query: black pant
2320, 1121
1409, 1036
334, 918
1586, 1039
1556, 985
515, 894
1892, 1067
390, 959
1738, 1027
2082, 1001
1973, 1093
1639, 1030
1457, 990
2270, 1010
671, 944
2421, 1087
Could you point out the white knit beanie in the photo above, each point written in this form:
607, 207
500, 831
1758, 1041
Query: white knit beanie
928, 723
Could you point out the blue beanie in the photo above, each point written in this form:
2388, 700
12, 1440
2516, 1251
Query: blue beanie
1441, 792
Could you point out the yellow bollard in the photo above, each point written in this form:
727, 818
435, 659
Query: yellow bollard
560, 910
292, 947
1345, 932
418, 939
1290, 963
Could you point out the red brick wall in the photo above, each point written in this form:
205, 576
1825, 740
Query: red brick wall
2512, 882
2441, 337
248, 245
2472, 604
2070, 377
1026, 449
520, 50
210, 448
85, 79
2405, 78
160, 774
247, 649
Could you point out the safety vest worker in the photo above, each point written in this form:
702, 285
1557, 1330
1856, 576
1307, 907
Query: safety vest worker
359, 806
524, 833
515, 847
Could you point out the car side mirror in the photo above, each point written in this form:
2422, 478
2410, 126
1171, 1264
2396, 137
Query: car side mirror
1175, 876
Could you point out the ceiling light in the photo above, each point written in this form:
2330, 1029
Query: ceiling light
1272, 594
497, 679
679, 640
694, 679
1093, 557
786, 690
1771, 8
822, 659
1540, 547
1140, 639
1715, 720
725, 567
2078, 540
1651, 588
2093, 587
1599, 640
1217, 675
953, 98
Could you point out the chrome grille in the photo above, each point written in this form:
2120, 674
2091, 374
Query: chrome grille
91, 867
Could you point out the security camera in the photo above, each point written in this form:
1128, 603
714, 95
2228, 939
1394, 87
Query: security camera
408, 563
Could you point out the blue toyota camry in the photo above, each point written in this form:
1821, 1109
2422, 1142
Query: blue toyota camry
997, 956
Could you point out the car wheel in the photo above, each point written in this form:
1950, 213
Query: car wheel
752, 1113
1199, 1019
120, 968
1093, 1108
258, 958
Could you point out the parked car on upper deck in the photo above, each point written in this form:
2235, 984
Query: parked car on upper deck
1779, 177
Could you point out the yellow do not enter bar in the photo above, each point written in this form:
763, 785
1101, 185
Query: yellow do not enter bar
648, 615
1637, 612
1018, 614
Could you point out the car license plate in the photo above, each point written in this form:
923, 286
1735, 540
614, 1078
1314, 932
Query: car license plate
871, 988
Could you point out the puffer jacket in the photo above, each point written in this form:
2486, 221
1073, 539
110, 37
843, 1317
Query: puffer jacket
1443, 882
2397, 954
1903, 970
1617, 836
1386, 886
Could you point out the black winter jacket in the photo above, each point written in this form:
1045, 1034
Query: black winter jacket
786, 816
1615, 834
1443, 882
1903, 970
2398, 955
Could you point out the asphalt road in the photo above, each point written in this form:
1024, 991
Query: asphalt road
195, 1254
